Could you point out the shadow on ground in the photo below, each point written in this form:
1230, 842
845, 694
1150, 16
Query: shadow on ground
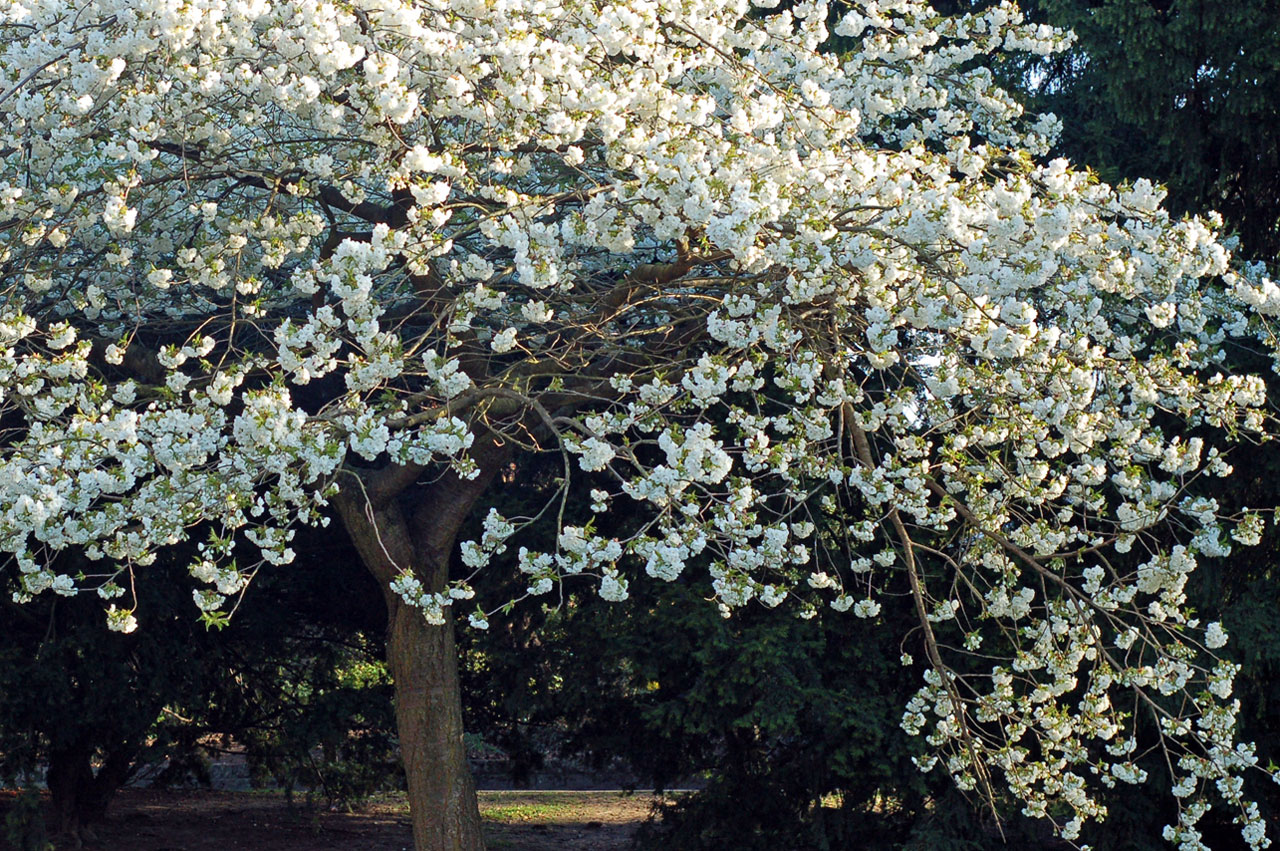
148, 820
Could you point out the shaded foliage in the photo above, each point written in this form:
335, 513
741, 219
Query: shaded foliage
293, 682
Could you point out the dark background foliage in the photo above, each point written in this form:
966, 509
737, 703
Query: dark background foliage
294, 682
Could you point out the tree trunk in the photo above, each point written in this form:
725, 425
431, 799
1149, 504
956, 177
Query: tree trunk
68, 775
424, 668
442, 795
79, 796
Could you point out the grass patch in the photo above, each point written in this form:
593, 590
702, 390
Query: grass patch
522, 812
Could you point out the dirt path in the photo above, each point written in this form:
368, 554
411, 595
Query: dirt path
144, 820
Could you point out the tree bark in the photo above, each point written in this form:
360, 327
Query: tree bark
68, 774
423, 658
78, 795
442, 795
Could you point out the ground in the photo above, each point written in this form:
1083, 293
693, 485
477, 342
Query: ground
145, 820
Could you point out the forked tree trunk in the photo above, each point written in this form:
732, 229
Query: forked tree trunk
79, 796
423, 659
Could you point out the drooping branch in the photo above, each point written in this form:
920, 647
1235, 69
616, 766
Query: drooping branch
862, 449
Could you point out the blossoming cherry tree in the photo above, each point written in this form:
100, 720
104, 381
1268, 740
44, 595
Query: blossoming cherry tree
824, 324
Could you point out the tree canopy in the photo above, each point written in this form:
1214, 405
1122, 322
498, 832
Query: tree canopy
826, 326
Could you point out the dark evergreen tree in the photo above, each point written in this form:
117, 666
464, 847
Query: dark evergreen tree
1186, 92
